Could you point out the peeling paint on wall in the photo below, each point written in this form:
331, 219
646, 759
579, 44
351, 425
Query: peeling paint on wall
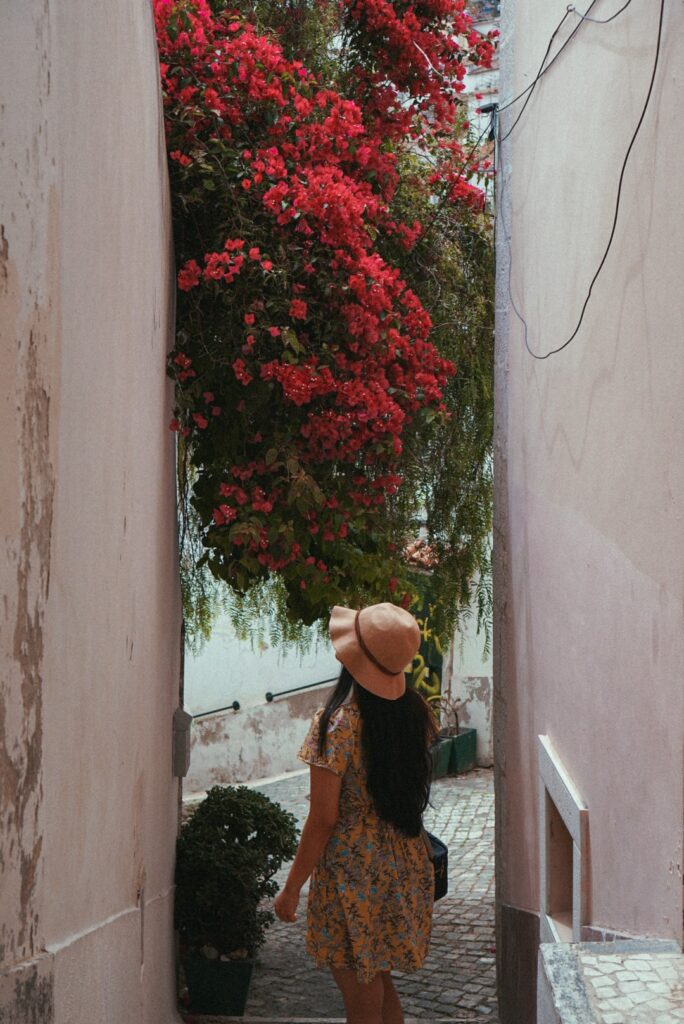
27, 993
476, 712
27, 559
233, 747
88, 684
468, 678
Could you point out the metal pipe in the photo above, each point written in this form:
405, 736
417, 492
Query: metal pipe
235, 706
296, 689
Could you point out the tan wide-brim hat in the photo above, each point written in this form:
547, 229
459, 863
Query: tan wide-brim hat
377, 645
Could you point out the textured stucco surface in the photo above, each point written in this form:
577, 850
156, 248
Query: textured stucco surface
253, 743
467, 677
90, 611
30, 348
589, 538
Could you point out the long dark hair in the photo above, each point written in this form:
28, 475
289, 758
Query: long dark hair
395, 744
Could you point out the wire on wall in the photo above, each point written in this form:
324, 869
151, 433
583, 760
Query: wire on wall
502, 138
544, 67
599, 21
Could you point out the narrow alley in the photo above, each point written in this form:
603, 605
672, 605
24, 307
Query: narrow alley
458, 981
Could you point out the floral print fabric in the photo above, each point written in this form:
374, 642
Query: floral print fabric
371, 893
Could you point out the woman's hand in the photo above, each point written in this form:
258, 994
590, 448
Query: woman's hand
318, 827
285, 905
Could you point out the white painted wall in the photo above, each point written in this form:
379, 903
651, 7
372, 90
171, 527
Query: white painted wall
261, 739
229, 669
467, 676
90, 617
255, 742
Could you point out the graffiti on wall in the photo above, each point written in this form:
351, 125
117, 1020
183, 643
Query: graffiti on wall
426, 669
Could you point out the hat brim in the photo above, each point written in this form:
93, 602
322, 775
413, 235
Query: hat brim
348, 652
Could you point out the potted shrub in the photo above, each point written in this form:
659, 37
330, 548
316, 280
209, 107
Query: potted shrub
454, 750
441, 747
227, 855
441, 754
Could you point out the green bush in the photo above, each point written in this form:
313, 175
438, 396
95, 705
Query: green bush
227, 855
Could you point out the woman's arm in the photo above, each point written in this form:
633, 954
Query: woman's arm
325, 798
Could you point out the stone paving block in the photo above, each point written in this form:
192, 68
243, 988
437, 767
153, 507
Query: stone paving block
618, 988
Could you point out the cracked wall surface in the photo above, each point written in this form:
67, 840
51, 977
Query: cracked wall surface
29, 345
89, 609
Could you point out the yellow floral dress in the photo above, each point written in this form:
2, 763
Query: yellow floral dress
371, 893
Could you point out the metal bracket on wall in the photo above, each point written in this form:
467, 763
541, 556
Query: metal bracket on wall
180, 755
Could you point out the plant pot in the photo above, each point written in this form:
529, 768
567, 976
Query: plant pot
217, 986
441, 757
463, 751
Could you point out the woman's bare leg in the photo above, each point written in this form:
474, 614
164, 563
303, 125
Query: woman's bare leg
363, 1002
392, 1012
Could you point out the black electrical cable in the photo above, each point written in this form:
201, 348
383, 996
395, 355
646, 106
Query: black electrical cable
517, 312
599, 21
544, 67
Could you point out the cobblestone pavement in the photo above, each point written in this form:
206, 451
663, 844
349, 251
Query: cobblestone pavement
625, 982
457, 982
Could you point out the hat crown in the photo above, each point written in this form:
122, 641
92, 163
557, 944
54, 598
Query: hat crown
376, 644
390, 633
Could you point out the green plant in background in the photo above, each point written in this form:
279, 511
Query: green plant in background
446, 712
227, 855
259, 616
307, 31
448, 464
455, 749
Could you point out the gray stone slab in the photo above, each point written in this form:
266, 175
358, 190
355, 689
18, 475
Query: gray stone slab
631, 946
564, 999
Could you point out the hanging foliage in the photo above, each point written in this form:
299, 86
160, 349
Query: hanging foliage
318, 224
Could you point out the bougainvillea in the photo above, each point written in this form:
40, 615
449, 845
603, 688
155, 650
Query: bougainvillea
303, 360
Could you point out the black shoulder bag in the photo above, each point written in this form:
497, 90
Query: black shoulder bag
439, 855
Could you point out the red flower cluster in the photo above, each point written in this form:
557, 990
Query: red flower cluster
295, 318
420, 53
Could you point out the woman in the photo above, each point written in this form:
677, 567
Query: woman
372, 882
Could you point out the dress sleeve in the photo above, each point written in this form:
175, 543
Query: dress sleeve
339, 743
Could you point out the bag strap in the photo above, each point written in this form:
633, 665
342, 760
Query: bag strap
428, 844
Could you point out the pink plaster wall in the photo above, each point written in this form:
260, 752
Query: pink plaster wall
90, 614
589, 634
